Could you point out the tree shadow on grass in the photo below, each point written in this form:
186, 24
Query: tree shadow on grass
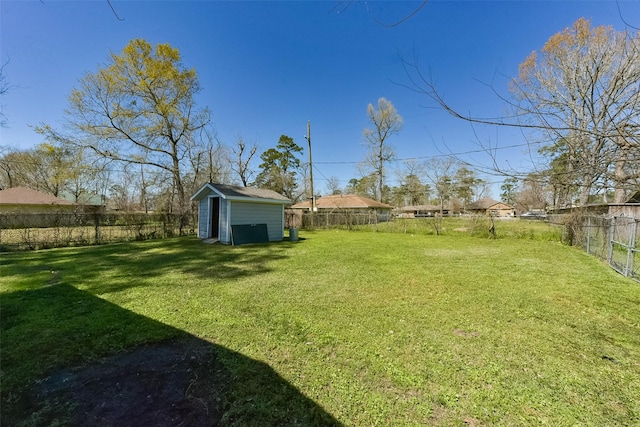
71, 358
136, 264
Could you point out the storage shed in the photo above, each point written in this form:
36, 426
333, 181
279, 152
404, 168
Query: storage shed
234, 215
629, 209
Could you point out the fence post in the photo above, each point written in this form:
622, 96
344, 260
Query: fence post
96, 224
589, 235
628, 270
612, 231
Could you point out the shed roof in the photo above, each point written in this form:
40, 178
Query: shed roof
343, 201
635, 198
235, 192
27, 196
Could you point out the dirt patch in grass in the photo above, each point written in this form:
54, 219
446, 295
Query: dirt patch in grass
172, 383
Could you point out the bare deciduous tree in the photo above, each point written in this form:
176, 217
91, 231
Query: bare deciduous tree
333, 185
440, 172
386, 122
581, 88
208, 161
579, 95
532, 194
4, 88
241, 163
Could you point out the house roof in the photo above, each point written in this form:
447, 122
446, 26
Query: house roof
487, 203
343, 201
90, 199
427, 208
234, 192
27, 196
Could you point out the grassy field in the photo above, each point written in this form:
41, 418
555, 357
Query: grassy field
397, 327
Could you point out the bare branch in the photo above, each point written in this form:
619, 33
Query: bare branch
343, 5
579, 94
114, 11
405, 18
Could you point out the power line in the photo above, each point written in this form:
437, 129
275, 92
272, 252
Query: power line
462, 153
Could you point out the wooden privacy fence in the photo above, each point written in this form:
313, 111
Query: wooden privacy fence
51, 230
613, 239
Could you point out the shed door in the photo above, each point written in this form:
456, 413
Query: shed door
215, 217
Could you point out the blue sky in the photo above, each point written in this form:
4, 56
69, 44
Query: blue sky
268, 67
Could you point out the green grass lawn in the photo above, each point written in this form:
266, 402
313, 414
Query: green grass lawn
377, 328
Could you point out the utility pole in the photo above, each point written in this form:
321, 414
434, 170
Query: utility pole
313, 196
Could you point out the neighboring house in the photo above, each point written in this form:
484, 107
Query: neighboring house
421, 211
88, 202
488, 206
25, 200
347, 202
235, 215
22, 207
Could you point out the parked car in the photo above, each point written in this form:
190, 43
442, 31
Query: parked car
533, 215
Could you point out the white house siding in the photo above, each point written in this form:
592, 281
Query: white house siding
259, 213
203, 215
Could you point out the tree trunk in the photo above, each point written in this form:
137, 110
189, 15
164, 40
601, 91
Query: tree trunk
585, 191
620, 176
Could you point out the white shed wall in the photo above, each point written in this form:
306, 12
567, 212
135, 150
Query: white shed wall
259, 213
203, 218
224, 221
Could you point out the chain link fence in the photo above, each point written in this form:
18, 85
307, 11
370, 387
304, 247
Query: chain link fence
623, 254
612, 239
344, 219
20, 232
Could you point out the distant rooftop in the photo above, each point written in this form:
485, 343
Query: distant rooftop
343, 201
27, 196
